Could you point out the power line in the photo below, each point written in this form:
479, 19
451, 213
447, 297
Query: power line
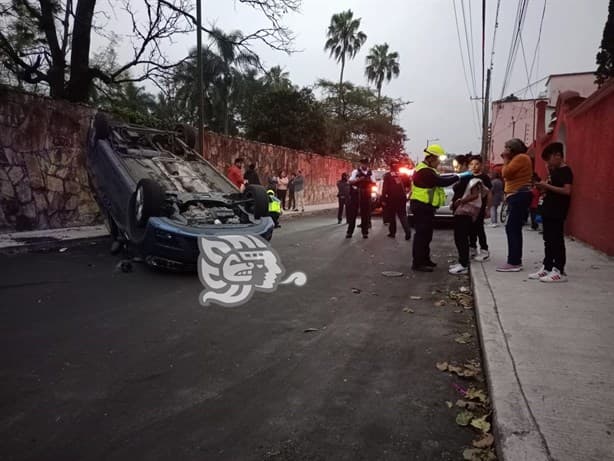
539, 37
526, 67
462, 56
494, 36
521, 12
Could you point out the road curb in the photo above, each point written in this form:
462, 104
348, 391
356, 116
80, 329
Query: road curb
518, 437
50, 239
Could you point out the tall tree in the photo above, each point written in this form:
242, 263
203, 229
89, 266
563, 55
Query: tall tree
382, 65
276, 77
48, 42
344, 41
605, 57
234, 62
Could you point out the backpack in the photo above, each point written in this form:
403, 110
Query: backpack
471, 208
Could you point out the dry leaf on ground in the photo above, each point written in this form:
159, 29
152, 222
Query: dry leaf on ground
481, 424
463, 339
464, 418
485, 442
476, 394
449, 404
442, 366
408, 310
440, 303
392, 274
415, 298
477, 454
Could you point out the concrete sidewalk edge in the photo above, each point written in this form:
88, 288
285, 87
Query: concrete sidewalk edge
517, 435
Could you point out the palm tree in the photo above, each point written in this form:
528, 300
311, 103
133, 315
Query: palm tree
344, 41
276, 77
235, 60
381, 65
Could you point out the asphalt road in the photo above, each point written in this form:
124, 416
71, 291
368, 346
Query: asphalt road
103, 365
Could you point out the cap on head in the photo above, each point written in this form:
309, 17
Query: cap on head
435, 149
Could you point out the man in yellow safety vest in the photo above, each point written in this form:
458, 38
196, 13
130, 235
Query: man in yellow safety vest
427, 195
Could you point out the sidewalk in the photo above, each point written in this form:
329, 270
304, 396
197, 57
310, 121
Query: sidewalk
50, 236
549, 353
309, 209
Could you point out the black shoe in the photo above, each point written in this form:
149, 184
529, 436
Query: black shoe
407, 236
338, 221
278, 226
422, 268
391, 236
365, 236
116, 247
430, 263
348, 236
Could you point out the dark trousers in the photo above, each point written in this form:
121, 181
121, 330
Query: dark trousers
463, 227
394, 212
533, 212
478, 233
291, 200
359, 201
281, 195
342, 205
423, 220
275, 217
517, 214
554, 244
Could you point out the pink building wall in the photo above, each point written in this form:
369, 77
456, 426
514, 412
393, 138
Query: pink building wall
511, 119
583, 83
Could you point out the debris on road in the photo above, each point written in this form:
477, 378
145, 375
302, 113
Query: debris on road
485, 442
463, 300
464, 418
392, 274
464, 290
415, 298
125, 265
408, 310
62, 250
310, 330
440, 303
477, 454
356, 290
463, 339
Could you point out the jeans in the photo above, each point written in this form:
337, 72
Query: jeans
462, 231
423, 220
494, 214
517, 214
554, 244
281, 195
300, 199
291, 200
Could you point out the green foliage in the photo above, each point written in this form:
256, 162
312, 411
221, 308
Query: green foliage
382, 65
605, 57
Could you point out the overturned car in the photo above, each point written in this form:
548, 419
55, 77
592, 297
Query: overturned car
159, 196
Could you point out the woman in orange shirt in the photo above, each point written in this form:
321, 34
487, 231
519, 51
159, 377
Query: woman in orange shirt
517, 173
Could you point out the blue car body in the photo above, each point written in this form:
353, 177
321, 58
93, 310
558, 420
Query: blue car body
198, 199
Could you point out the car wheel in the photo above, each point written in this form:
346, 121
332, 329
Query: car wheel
260, 205
148, 201
101, 126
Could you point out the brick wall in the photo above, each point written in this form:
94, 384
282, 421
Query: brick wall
585, 127
321, 172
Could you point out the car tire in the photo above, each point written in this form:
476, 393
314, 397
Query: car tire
188, 134
260, 205
101, 126
148, 201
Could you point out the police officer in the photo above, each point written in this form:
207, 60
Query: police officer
360, 199
394, 200
274, 207
426, 196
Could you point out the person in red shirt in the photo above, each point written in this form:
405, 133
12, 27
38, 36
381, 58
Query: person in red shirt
235, 173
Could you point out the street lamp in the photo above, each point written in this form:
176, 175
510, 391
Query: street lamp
429, 141
199, 64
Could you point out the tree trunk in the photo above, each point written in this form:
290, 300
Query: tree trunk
78, 88
379, 98
342, 113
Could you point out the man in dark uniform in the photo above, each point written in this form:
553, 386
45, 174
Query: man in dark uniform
394, 200
360, 199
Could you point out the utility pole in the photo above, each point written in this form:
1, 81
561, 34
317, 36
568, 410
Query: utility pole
199, 64
485, 118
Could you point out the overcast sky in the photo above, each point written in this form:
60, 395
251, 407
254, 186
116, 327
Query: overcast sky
424, 33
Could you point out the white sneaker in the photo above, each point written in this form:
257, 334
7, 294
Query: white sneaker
554, 277
458, 270
539, 274
493, 225
483, 255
